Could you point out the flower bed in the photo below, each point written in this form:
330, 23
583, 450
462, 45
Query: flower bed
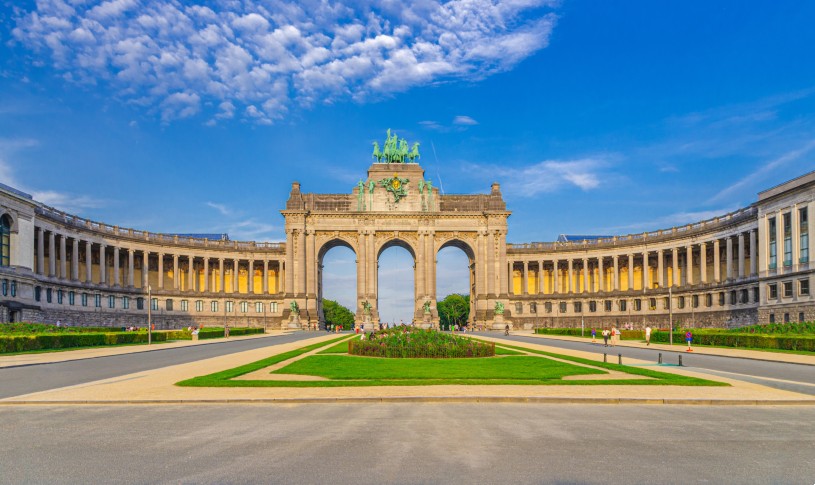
413, 343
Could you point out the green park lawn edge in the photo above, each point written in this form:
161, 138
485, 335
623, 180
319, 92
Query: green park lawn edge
224, 378
70, 349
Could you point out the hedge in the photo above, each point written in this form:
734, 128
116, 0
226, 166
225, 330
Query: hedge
213, 332
22, 343
417, 343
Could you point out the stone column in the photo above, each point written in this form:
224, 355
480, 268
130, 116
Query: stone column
525, 283
281, 276
235, 273
510, 270
689, 266
176, 279
645, 268
41, 251
601, 274
616, 259
362, 269
555, 277
145, 269
779, 237
191, 273
717, 264
251, 276
301, 262
541, 284
703, 262
741, 255
630, 272
373, 266
490, 261
753, 252
75, 260
103, 265
586, 283
265, 286
88, 262
221, 278
161, 271
502, 256
729, 263
52, 255
115, 254
421, 267
131, 268
206, 274
63, 258
289, 261
796, 239
311, 264
571, 275
675, 265
661, 268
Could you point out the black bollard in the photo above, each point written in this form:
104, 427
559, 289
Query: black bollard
605, 358
680, 360
660, 359
620, 359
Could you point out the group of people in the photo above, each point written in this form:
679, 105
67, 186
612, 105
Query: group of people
614, 333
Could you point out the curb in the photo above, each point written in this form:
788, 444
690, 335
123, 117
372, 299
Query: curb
421, 399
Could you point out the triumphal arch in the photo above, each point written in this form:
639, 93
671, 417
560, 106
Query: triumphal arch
396, 205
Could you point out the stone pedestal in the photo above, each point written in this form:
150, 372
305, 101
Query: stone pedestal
368, 325
499, 323
295, 321
426, 321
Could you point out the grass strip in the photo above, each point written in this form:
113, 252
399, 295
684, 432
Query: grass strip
222, 378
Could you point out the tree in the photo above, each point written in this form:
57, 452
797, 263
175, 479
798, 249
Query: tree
453, 310
336, 314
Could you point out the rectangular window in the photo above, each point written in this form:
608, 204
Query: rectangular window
547, 307
578, 306
5, 287
733, 297
126, 302
48, 295
71, 298
154, 304
709, 300
787, 285
637, 304
139, 303
623, 304
213, 306
37, 293
13, 289
84, 299
721, 298
801, 317
244, 307
787, 239
772, 317
111, 301
652, 303
803, 228
680, 302
185, 305
259, 307
274, 307
607, 305
666, 303
97, 301
562, 307
772, 291
199, 305
786, 318
230, 305
694, 301
592, 306
519, 308
533, 307
755, 294
803, 287
59, 296
168, 305
773, 243
744, 296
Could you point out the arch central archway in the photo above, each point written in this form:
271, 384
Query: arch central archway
344, 279
469, 253
395, 296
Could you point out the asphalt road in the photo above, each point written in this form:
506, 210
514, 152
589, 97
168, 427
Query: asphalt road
407, 443
15, 381
801, 377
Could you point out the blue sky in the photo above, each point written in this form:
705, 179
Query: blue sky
596, 117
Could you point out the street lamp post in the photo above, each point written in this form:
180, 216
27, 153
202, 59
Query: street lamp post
670, 316
149, 315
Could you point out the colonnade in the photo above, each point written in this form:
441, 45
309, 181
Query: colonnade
727, 258
130, 267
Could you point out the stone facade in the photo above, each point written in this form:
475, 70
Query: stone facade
749, 266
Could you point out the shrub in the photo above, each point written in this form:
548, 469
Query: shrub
405, 342
22, 343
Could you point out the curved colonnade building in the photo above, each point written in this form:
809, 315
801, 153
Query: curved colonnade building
749, 266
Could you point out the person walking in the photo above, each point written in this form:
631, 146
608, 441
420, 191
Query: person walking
593, 335
614, 334
605, 336
647, 335
506, 330
689, 339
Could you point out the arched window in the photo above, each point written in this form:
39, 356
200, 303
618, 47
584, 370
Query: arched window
5, 240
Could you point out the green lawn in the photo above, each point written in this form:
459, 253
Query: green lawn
507, 369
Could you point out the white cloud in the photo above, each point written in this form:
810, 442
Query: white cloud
181, 61
550, 175
464, 120
666, 222
224, 210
